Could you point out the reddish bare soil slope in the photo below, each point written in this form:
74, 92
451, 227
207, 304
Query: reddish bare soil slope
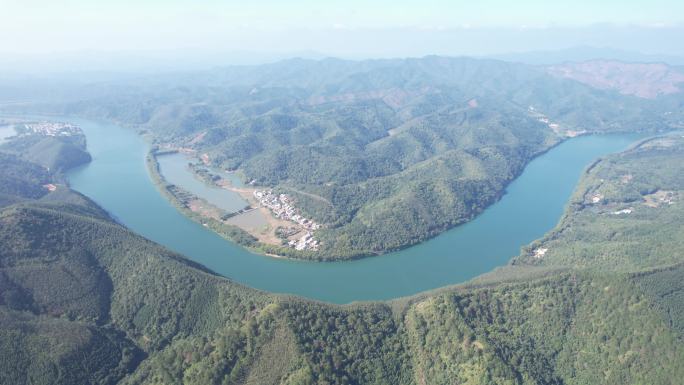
646, 80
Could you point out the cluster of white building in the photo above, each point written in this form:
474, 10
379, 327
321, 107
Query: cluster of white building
665, 197
306, 242
281, 207
543, 119
52, 129
540, 252
553, 126
597, 198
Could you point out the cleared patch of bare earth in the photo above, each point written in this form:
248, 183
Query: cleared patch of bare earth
204, 209
198, 138
660, 198
554, 126
645, 80
258, 222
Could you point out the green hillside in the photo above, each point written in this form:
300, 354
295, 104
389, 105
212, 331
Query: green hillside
53, 153
55, 147
383, 153
625, 214
21, 179
85, 301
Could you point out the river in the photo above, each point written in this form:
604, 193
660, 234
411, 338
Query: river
118, 180
174, 168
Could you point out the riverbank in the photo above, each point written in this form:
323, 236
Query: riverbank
270, 239
269, 246
255, 241
118, 180
231, 233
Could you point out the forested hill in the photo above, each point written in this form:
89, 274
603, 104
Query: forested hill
54, 152
85, 301
626, 214
398, 150
34, 163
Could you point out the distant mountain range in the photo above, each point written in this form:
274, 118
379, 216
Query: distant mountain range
105, 63
586, 53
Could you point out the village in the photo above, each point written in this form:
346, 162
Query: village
50, 129
299, 235
281, 206
655, 199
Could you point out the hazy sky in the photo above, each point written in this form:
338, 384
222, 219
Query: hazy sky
383, 27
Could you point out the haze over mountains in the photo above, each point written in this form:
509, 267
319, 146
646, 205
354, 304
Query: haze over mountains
94, 62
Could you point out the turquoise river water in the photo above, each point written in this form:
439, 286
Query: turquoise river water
118, 180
